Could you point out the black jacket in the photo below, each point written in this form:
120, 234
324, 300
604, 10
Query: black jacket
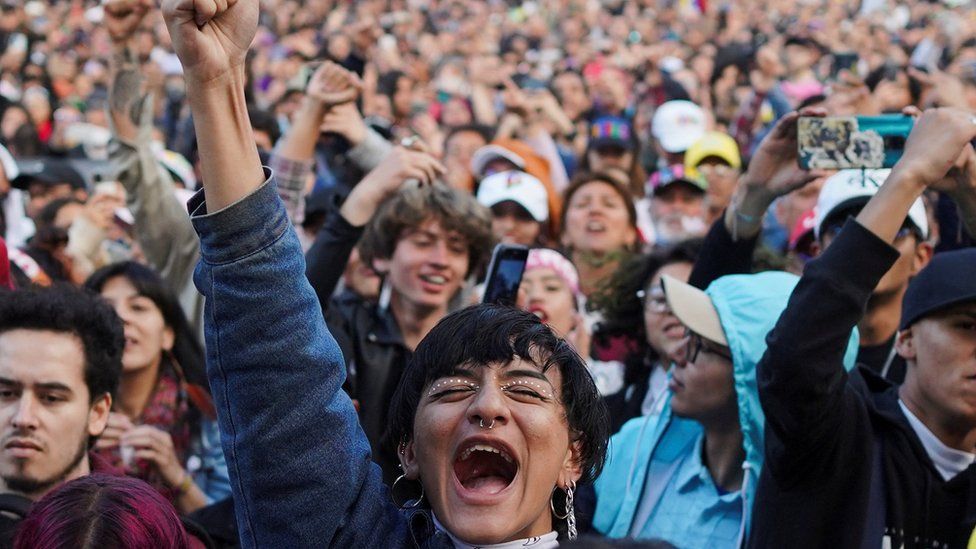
843, 467
367, 334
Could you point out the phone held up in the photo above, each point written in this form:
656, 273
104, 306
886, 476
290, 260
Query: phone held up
505, 274
852, 142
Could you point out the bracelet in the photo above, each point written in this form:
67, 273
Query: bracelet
185, 484
746, 218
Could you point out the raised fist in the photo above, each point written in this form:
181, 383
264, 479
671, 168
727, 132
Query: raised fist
211, 37
122, 17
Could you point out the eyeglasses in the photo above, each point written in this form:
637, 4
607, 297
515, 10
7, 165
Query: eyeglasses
696, 344
654, 301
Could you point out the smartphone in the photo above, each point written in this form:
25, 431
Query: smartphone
852, 142
505, 274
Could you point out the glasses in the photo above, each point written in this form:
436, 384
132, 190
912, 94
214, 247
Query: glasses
695, 346
654, 301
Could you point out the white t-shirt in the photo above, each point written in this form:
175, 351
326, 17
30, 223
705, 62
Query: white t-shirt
948, 461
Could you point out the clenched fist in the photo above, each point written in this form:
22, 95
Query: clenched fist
211, 37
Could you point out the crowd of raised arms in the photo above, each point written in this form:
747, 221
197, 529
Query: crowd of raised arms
245, 245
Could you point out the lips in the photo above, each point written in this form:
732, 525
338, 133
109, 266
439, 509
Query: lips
539, 312
434, 283
484, 468
22, 447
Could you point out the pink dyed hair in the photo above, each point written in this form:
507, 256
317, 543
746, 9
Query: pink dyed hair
102, 511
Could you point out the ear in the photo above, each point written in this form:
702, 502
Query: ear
98, 414
905, 344
169, 338
408, 460
381, 266
923, 254
572, 468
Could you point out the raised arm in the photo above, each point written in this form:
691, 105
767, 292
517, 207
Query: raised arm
298, 460
773, 172
802, 384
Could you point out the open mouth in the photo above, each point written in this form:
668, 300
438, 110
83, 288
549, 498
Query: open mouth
484, 468
436, 280
539, 312
596, 227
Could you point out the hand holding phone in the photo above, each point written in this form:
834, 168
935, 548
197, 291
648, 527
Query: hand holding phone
505, 274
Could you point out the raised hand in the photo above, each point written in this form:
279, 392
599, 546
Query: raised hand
401, 165
211, 37
937, 143
122, 18
774, 167
332, 85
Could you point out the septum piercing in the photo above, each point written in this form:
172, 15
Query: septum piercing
481, 423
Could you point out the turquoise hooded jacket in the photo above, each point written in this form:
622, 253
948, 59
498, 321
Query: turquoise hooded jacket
748, 307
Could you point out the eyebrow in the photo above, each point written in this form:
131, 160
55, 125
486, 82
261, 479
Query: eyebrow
509, 374
48, 386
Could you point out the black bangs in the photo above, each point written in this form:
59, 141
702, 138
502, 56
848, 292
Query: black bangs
481, 335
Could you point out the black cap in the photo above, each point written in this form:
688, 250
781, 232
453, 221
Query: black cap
947, 280
51, 171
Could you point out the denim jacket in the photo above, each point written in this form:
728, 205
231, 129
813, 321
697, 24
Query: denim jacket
299, 463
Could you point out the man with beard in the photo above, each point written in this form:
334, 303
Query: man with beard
60, 362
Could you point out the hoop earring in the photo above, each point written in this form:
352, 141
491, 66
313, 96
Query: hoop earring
410, 503
570, 515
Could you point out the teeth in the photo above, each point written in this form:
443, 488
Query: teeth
484, 448
539, 313
595, 226
435, 279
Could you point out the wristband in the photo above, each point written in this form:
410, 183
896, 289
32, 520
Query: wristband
185, 484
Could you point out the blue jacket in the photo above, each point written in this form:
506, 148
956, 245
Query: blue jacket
748, 307
299, 463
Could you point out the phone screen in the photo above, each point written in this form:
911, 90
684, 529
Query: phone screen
505, 274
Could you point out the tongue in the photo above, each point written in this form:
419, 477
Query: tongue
489, 484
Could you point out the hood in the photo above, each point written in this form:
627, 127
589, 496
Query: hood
748, 307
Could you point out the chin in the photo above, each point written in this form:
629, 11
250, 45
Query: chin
483, 526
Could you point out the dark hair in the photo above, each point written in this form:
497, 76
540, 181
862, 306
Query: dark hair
623, 310
264, 121
47, 215
409, 208
484, 131
101, 510
585, 178
487, 334
889, 71
186, 348
65, 309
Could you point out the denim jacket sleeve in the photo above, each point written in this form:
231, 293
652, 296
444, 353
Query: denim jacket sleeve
299, 463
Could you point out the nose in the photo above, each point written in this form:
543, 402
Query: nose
488, 407
680, 355
25, 417
437, 255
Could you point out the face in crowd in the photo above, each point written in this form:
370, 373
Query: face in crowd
46, 411
147, 336
665, 333
499, 419
597, 220
428, 265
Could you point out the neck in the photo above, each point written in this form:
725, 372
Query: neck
136, 388
880, 322
724, 454
954, 433
594, 268
413, 320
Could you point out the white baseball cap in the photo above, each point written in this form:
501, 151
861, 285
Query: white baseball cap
519, 187
484, 155
853, 188
677, 125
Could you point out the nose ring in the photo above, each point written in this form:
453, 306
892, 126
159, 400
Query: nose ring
491, 425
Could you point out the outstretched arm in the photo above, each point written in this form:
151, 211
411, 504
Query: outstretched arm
298, 460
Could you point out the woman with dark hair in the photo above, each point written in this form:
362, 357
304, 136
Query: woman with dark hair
637, 311
99, 510
162, 428
599, 227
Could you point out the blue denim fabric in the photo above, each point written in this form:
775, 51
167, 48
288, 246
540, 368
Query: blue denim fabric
299, 463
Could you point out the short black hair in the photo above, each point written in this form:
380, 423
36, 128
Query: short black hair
486, 132
488, 334
65, 309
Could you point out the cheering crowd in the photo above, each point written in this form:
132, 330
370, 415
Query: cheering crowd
243, 248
